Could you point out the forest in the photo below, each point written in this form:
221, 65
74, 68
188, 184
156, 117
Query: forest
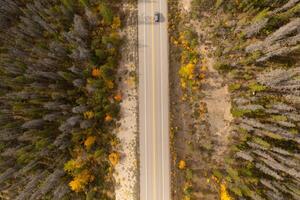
257, 52
234, 98
59, 99
235, 93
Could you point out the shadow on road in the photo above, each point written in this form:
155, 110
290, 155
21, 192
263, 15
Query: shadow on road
162, 18
142, 45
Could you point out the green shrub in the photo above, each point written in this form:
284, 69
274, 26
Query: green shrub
235, 86
239, 112
255, 87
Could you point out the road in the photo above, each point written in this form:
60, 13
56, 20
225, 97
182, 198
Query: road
153, 101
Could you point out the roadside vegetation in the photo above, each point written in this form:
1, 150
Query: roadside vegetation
188, 68
59, 100
255, 47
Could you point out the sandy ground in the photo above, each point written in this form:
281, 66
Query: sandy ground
217, 100
126, 172
186, 4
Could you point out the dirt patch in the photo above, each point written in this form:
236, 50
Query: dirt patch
186, 4
217, 100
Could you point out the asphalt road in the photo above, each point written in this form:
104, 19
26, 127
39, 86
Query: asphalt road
153, 101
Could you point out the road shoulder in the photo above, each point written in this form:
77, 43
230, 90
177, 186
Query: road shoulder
126, 172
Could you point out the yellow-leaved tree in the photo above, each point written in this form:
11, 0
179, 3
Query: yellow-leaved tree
116, 23
90, 140
223, 192
96, 72
81, 180
89, 114
187, 73
114, 158
182, 164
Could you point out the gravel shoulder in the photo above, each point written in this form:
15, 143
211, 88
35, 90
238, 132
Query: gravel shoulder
126, 172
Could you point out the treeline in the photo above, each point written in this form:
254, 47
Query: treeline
58, 98
258, 52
